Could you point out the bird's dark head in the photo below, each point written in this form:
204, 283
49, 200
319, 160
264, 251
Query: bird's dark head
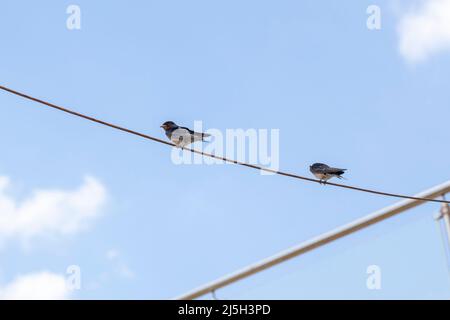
168, 125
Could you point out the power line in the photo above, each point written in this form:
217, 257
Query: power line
282, 173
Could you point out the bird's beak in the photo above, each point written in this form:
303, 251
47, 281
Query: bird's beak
161, 126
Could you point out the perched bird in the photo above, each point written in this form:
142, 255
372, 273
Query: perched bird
182, 136
324, 172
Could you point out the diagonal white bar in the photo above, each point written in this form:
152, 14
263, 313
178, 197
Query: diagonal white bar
318, 241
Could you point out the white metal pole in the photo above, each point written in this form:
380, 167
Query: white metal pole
318, 241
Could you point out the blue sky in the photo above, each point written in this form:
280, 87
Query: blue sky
372, 101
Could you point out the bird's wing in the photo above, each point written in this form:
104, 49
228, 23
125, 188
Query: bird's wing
187, 129
337, 171
320, 168
184, 136
197, 136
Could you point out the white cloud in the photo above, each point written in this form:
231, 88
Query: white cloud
120, 267
49, 212
425, 30
36, 286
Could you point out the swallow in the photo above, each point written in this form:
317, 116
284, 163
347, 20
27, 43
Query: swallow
323, 172
182, 136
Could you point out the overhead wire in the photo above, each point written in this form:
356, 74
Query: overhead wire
248, 165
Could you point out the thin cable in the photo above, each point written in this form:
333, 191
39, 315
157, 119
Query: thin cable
445, 236
213, 293
286, 174
442, 232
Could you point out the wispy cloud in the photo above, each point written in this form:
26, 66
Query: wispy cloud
49, 212
425, 30
112, 254
120, 267
36, 286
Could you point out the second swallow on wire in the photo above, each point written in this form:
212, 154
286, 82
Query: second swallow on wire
182, 136
324, 172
